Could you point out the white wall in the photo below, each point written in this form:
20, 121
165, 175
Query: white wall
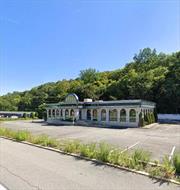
169, 116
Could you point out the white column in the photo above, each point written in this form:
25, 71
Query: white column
99, 114
59, 113
107, 115
55, 113
137, 115
84, 114
118, 116
91, 114
76, 114
51, 113
63, 113
127, 115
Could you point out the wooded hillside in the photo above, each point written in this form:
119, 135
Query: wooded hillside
150, 76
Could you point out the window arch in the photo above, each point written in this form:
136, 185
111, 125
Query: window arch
72, 113
123, 115
95, 115
66, 113
132, 115
103, 115
61, 112
88, 114
113, 115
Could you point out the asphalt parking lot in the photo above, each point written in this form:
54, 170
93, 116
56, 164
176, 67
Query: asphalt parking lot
159, 139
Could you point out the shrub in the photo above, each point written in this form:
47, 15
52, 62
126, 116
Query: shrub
155, 115
24, 115
141, 120
176, 162
32, 115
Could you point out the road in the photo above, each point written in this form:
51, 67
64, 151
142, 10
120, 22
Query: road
24, 167
159, 139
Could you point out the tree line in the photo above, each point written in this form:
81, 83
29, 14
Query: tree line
151, 76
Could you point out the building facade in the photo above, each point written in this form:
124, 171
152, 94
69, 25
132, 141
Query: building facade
121, 113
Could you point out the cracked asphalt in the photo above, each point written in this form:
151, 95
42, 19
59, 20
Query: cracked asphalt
24, 167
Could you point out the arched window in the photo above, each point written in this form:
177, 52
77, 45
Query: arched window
72, 113
123, 115
88, 114
61, 112
95, 115
113, 115
66, 113
103, 115
49, 113
57, 112
132, 115
53, 113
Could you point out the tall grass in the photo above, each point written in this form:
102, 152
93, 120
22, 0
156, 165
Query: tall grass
103, 151
176, 162
138, 159
88, 150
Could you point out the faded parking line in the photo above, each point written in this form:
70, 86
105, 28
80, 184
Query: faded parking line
172, 152
2, 187
129, 147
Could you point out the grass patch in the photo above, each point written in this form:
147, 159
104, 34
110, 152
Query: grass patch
176, 162
88, 150
103, 151
138, 159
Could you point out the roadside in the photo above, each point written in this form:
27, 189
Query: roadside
27, 167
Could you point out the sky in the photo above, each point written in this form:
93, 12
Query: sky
49, 40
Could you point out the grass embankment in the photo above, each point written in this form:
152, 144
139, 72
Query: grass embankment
137, 160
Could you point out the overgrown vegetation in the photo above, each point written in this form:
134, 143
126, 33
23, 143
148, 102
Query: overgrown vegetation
150, 76
137, 159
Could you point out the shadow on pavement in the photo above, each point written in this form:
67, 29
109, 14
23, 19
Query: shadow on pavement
160, 181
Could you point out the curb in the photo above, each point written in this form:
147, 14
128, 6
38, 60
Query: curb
93, 160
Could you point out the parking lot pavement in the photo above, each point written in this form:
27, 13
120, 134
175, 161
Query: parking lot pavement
25, 167
158, 139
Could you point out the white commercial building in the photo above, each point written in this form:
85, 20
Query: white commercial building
118, 113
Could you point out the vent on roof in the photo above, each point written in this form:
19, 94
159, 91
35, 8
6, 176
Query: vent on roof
87, 100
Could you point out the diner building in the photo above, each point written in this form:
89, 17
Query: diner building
120, 113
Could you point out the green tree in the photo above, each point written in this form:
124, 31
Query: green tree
88, 75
